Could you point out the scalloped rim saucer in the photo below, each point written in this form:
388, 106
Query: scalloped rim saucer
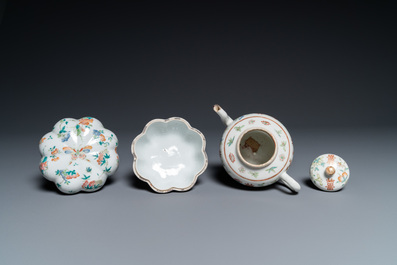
146, 179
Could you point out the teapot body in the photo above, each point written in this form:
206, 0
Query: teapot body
256, 149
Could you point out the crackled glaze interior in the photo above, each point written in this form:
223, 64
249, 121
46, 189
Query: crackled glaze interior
256, 148
169, 155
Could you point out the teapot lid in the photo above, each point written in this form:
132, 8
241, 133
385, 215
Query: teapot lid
329, 172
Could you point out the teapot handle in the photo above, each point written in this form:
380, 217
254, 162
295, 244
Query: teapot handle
290, 182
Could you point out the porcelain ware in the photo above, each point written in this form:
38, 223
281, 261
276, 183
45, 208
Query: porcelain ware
169, 155
78, 155
329, 172
256, 150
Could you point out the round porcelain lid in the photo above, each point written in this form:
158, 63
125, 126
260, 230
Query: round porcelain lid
329, 172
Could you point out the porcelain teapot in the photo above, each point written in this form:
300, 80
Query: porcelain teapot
256, 150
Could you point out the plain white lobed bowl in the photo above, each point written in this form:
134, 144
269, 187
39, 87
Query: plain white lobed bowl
169, 155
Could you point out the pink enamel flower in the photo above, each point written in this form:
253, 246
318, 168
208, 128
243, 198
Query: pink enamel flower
78, 155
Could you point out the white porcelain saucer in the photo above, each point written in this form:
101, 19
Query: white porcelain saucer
169, 155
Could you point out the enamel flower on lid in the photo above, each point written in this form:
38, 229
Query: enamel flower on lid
329, 172
169, 155
78, 155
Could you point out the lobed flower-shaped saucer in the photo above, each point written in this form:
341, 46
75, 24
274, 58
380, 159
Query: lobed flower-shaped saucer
169, 155
78, 155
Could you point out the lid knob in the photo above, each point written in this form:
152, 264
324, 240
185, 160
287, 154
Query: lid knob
329, 171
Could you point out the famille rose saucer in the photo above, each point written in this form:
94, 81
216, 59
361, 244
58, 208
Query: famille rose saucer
78, 155
169, 155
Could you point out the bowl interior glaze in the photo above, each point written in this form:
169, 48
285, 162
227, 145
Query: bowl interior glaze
169, 155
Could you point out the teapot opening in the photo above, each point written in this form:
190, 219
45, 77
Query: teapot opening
256, 148
217, 108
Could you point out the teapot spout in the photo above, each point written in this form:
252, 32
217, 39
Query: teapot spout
223, 115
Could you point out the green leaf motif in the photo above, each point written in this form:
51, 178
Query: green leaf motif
283, 145
238, 128
71, 172
78, 129
272, 169
230, 141
254, 174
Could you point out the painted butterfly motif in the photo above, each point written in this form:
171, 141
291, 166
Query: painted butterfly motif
79, 153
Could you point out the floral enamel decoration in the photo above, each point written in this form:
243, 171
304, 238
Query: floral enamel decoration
317, 179
254, 174
343, 178
232, 157
78, 155
265, 122
238, 128
230, 141
329, 172
271, 169
256, 150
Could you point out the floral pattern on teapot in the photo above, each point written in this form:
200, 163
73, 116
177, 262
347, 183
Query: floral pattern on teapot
238, 170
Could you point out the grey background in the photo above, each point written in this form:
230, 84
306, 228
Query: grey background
325, 70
